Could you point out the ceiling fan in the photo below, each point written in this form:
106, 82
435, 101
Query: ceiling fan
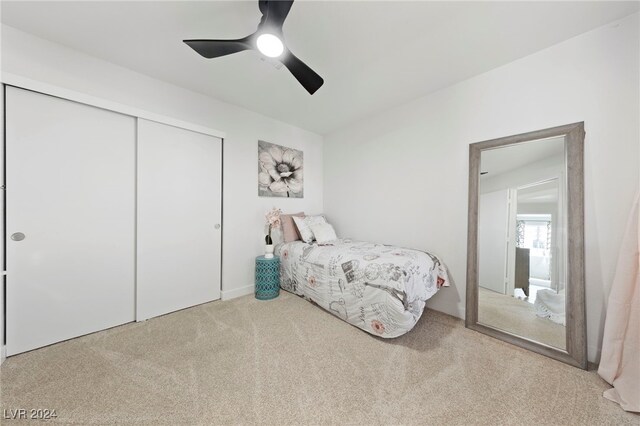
269, 40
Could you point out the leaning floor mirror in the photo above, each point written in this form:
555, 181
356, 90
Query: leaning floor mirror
525, 267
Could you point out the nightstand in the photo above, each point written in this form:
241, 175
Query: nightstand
267, 277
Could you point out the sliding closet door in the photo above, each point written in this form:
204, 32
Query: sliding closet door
179, 216
70, 219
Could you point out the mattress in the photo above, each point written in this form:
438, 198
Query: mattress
379, 288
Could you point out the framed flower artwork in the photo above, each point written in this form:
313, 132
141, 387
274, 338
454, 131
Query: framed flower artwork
280, 171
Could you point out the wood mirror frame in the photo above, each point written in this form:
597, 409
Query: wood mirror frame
576, 339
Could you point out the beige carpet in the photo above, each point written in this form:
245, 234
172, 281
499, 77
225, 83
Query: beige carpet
288, 362
518, 317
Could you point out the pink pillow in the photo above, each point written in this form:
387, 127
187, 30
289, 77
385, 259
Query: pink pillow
289, 230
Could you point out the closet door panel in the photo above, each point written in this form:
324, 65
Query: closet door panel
179, 213
70, 219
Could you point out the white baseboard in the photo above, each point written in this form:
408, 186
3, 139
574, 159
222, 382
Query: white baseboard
3, 353
462, 312
236, 292
593, 354
458, 311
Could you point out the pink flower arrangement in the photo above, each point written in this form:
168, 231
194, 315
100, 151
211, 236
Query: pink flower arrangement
273, 217
273, 220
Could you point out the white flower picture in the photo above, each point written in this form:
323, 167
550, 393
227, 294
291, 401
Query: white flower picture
280, 171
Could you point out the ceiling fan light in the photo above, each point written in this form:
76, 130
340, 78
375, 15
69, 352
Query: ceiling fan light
270, 45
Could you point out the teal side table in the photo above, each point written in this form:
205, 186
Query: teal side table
267, 277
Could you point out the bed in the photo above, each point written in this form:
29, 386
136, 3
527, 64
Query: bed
379, 288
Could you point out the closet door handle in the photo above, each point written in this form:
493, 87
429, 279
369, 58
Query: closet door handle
216, 226
17, 236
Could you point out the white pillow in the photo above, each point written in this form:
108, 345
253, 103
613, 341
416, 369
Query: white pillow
303, 223
323, 232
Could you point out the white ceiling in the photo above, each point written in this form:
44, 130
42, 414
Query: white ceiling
513, 157
372, 55
546, 192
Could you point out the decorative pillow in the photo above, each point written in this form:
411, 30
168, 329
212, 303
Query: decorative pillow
289, 230
306, 234
323, 232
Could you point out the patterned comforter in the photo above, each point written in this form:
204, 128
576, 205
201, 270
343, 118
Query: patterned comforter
378, 288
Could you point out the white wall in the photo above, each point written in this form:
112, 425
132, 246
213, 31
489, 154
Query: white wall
539, 171
493, 219
401, 176
243, 210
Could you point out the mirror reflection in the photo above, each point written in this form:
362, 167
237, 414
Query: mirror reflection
522, 240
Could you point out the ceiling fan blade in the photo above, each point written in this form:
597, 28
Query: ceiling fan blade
309, 79
215, 48
274, 12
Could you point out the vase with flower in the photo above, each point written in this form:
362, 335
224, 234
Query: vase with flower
273, 222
